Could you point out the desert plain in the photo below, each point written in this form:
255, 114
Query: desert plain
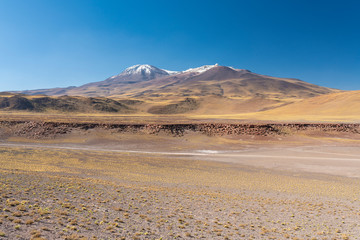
189, 179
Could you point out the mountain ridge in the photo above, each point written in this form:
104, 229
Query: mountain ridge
147, 81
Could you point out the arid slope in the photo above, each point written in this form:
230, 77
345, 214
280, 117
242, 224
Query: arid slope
336, 106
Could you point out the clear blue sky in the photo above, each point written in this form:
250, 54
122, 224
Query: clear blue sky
58, 43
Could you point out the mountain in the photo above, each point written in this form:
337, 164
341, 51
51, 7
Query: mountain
221, 81
149, 82
206, 90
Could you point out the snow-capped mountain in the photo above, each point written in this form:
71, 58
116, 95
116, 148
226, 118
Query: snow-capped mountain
146, 81
141, 72
146, 69
200, 69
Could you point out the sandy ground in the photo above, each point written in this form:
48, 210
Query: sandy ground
335, 160
327, 158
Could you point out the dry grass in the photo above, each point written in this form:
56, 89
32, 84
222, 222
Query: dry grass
67, 194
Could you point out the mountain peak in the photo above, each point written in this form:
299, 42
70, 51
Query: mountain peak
200, 69
144, 69
139, 73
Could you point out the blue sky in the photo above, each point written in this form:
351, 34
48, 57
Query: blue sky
58, 43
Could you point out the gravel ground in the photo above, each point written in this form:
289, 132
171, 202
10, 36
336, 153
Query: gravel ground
74, 194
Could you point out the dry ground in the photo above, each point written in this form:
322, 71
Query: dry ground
336, 107
75, 194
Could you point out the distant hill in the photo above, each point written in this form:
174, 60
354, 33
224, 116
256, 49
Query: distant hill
341, 105
16, 102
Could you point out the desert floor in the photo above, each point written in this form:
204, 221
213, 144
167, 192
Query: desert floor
161, 187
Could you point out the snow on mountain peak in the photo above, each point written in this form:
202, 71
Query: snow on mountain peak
200, 69
145, 70
150, 72
170, 72
141, 69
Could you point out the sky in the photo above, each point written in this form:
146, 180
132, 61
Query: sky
59, 43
